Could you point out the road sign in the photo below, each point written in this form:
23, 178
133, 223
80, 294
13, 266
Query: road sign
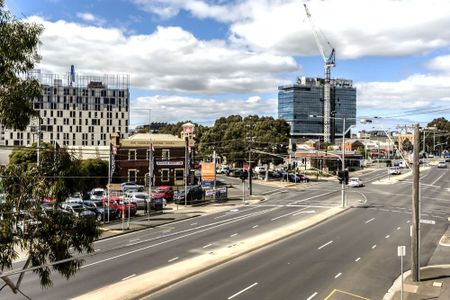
401, 251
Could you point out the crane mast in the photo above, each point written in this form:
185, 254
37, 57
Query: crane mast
329, 62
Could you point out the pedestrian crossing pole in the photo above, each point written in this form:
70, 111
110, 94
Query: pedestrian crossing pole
415, 238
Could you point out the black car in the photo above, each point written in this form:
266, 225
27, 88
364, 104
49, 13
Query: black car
100, 210
78, 210
194, 195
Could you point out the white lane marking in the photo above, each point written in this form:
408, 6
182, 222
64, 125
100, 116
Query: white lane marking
396, 211
312, 296
194, 224
220, 216
382, 209
134, 240
304, 212
374, 246
370, 220
398, 228
241, 291
191, 232
206, 246
337, 275
437, 179
324, 245
96, 250
291, 213
234, 234
407, 222
128, 277
388, 236
173, 259
357, 259
255, 226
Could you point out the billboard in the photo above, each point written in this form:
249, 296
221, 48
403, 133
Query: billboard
208, 172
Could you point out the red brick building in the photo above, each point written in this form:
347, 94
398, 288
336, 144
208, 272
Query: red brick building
131, 159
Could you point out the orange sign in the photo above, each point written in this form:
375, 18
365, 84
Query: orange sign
208, 172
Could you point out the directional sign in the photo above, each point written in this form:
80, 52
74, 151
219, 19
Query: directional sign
401, 251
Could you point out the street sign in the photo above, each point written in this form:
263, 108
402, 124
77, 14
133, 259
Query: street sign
401, 251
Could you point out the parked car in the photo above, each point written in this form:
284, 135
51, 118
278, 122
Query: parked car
303, 178
126, 186
78, 210
122, 207
164, 191
234, 172
101, 210
260, 170
158, 202
26, 223
355, 182
222, 169
275, 174
98, 194
194, 195
140, 199
394, 171
442, 164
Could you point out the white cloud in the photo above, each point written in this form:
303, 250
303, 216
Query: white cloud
90, 18
170, 58
179, 108
356, 28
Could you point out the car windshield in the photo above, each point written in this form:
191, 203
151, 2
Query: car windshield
98, 193
141, 196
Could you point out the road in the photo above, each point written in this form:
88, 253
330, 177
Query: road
121, 258
352, 255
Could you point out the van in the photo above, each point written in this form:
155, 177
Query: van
260, 170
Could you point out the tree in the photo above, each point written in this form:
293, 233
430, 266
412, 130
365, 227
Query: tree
442, 137
94, 173
18, 55
47, 237
407, 145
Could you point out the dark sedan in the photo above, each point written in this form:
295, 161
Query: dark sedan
78, 210
101, 210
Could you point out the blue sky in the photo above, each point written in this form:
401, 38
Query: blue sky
201, 59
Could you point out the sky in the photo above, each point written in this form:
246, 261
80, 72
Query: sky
202, 59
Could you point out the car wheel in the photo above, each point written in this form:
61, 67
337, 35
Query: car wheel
99, 217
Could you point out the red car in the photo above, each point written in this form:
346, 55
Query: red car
120, 206
164, 191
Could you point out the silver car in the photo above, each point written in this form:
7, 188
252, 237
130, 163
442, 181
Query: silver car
140, 199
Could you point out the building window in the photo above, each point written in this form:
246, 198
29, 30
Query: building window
132, 174
179, 174
132, 154
165, 154
165, 175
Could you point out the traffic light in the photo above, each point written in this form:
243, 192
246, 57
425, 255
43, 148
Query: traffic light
346, 176
341, 176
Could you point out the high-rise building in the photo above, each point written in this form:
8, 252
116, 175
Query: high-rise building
302, 106
75, 111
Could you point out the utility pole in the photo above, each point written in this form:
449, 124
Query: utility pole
249, 172
186, 168
109, 176
150, 177
415, 238
343, 164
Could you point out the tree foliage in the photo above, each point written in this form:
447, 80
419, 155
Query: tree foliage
47, 237
441, 138
18, 55
94, 173
233, 136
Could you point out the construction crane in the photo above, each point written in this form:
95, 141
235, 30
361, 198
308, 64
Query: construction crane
329, 62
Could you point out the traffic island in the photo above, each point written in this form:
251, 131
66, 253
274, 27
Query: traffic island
146, 284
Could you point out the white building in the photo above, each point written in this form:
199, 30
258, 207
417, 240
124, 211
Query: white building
76, 111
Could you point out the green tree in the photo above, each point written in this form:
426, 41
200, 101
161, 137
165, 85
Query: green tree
18, 55
47, 237
442, 135
94, 173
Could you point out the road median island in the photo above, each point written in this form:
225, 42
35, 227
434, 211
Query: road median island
396, 178
148, 283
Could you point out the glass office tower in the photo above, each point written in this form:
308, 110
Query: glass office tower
301, 105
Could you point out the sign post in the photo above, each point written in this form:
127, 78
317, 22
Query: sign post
401, 251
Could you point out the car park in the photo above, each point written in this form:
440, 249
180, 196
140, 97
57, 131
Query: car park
122, 207
442, 164
194, 195
127, 186
101, 210
355, 182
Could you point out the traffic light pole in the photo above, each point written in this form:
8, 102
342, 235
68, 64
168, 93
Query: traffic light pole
415, 238
343, 164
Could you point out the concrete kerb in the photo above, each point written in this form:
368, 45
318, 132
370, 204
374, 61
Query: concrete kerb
145, 285
396, 178
396, 286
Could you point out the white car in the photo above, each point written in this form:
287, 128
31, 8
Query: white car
98, 194
395, 171
442, 164
355, 182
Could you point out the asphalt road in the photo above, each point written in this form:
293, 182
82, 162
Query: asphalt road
353, 255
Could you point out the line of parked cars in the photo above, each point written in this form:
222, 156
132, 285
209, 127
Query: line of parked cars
261, 173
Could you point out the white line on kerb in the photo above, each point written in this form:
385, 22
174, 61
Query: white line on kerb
337, 275
374, 246
388, 236
234, 234
173, 259
255, 226
128, 277
324, 245
368, 221
206, 246
312, 296
241, 291
358, 259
